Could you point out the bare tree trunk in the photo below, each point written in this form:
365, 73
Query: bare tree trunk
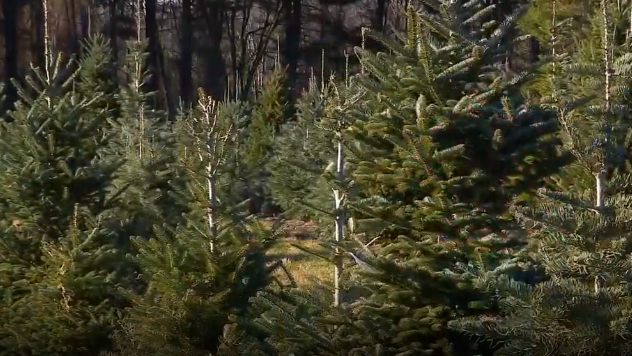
186, 53
292, 13
38, 46
10, 14
379, 21
340, 217
113, 27
213, 16
72, 10
159, 79
248, 46
600, 174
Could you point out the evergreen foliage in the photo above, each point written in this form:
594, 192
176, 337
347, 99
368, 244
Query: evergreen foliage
60, 270
265, 117
303, 151
466, 205
439, 165
144, 138
582, 306
580, 226
302, 323
206, 268
433, 169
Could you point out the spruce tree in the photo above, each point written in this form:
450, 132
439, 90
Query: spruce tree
202, 272
445, 142
302, 153
580, 226
440, 142
60, 267
144, 137
255, 151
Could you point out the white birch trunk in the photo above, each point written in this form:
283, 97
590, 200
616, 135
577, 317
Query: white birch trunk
600, 175
212, 153
340, 216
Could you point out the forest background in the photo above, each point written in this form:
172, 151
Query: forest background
298, 177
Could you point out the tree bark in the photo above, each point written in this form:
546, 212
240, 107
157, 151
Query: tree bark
159, 79
186, 53
292, 11
10, 14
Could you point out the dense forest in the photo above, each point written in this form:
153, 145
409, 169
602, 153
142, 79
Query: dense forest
316, 178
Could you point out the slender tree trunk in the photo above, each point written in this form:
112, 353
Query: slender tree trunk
503, 9
186, 53
379, 21
39, 45
113, 29
73, 12
214, 14
159, 81
340, 218
534, 51
10, 14
292, 11
606, 164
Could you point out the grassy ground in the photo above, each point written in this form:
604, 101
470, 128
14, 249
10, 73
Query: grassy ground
304, 268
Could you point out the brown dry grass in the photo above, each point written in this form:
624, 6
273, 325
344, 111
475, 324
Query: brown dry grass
305, 269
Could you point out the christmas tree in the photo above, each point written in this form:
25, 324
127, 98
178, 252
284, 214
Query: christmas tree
580, 226
440, 141
204, 270
144, 138
61, 269
259, 136
302, 153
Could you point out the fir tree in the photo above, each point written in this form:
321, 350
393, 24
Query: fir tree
255, 151
302, 323
60, 269
144, 138
439, 158
580, 229
204, 270
303, 152
440, 142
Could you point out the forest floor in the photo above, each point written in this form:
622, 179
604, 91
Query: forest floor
305, 269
